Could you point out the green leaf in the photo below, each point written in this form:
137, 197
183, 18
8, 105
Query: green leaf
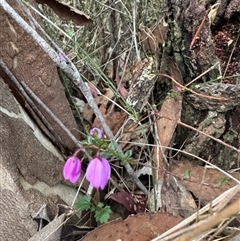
187, 173
84, 142
113, 145
90, 139
70, 32
98, 141
100, 205
84, 203
128, 153
103, 214
222, 181
89, 151
106, 154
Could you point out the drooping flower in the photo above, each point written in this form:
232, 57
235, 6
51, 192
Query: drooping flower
97, 131
72, 169
98, 172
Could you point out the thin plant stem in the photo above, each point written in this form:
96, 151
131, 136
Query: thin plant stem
79, 188
205, 72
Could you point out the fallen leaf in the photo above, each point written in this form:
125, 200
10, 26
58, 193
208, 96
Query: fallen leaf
174, 197
114, 119
172, 109
152, 37
101, 101
141, 227
133, 203
210, 189
67, 12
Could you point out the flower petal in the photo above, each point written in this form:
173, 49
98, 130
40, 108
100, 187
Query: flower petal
106, 172
72, 169
95, 130
93, 172
98, 172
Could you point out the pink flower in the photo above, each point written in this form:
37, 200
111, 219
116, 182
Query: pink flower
179, 88
72, 169
98, 172
96, 131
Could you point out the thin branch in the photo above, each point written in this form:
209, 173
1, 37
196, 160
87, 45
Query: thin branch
30, 102
194, 92
199, 76
198, 31
202, 226
50, 113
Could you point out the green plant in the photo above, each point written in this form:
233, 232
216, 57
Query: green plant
102, 213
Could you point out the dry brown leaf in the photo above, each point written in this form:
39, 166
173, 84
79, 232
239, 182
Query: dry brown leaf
152, 37
212, 177
141, 227
101, 101
174, 197
67, 12
133, 203
114, 119
171, 108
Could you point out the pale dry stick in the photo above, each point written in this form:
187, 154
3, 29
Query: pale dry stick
72, 72
45, 18
205, 72
195, 93
30, 102
204, 235
221, 228
175, 231
79, 188
134, 32
37, 25
202, 226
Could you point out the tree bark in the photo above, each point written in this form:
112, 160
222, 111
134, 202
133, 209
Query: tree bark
210, 51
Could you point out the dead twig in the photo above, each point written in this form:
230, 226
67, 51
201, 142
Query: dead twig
180, 228
198, 31
50, 113
195, 93
200, 227
30, 102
